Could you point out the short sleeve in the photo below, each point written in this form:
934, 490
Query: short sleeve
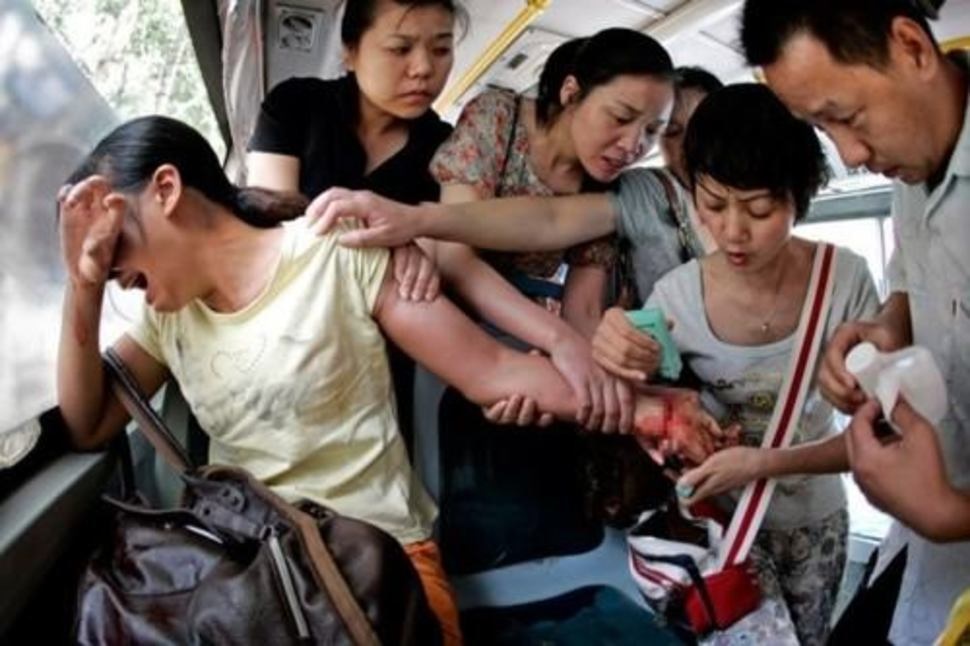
896, 269
640, 202
367, 266
145, 331
281, 124
475, 152
863, 299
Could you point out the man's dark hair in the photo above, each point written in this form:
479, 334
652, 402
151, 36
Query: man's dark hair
853, 31
742, 136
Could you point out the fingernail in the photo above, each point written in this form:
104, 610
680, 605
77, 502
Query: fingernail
684, 490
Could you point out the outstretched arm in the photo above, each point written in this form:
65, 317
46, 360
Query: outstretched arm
505, 224
735, 467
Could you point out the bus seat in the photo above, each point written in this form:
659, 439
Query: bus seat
508, 538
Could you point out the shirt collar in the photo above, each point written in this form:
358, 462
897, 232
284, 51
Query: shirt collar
960, 160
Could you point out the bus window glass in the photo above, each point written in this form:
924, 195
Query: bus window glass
139, 56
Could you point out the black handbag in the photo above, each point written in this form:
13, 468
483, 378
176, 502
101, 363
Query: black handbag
236, 564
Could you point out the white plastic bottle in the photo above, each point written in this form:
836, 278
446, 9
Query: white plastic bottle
911, 372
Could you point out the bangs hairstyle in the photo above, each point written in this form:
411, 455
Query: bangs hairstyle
744, 137
596, 61
853, 31
359, 16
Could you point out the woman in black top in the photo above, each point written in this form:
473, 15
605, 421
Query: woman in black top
374, 129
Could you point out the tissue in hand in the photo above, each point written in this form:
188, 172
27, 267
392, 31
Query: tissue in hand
911, 372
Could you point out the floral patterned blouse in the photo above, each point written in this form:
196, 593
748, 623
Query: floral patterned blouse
478, 153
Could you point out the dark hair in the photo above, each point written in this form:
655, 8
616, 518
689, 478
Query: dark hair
696, 78
853, 31
131, 153
744, 137
597, 60
359, 15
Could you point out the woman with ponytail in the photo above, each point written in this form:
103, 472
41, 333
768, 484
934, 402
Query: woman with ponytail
272, 332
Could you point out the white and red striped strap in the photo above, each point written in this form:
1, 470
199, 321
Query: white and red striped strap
754, 501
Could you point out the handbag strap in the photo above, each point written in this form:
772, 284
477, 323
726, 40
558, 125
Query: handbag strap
126, 389
753, 505
510, 145
153, 428
690, 245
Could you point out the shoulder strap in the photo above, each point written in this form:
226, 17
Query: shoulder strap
126, 389
516, 106
754, 501
689, 244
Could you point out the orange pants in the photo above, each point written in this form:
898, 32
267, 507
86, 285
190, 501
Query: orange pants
427, 561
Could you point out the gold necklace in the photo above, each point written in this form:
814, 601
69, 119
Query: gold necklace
765, 326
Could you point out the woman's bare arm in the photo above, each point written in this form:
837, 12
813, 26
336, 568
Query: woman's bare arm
273, 171
90, 221
441, 338
505, 224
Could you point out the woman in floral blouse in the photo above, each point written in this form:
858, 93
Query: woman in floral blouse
601, 100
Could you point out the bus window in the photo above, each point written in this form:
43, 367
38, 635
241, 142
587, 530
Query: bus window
139, 57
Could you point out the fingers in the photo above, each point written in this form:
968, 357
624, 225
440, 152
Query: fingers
622, 349
835, 382
494, 412
652, 448
91, 225
527, 414
617, 369
407, 272
694, 485
584, 403
611, 407
327, 208
860, 436
627, 402
426, 283
62, 192
518, 410
906, 417
596, 412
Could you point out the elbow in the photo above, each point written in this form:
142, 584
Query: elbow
84, 438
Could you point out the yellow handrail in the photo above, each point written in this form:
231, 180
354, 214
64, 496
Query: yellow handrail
532, 10
962, 42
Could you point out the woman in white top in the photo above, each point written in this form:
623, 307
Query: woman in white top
754, 168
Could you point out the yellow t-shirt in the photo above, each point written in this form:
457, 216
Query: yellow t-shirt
296, 387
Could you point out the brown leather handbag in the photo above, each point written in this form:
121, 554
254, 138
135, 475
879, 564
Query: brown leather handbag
236, 564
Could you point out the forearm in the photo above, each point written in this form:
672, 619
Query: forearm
582, 305
822, 456
520, 223
944, 520
441, 338
894, 315
494, 299
80, 373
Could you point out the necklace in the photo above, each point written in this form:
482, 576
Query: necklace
765, 326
